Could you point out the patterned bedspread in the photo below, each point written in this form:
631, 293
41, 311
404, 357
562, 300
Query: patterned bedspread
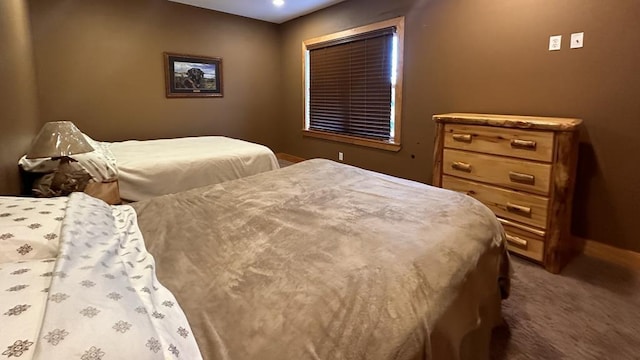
100, 299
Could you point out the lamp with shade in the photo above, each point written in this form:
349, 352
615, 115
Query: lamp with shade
59, 140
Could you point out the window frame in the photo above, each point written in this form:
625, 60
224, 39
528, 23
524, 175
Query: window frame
391, 144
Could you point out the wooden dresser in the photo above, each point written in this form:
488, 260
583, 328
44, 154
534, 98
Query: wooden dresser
522, 168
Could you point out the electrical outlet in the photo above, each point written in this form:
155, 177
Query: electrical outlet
577, 40
555, 42
340, 156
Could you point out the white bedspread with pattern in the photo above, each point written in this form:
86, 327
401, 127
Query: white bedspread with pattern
104, 300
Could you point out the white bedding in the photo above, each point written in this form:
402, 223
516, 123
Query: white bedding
99, 299
150, 168
23, 296
30, 228
157, 167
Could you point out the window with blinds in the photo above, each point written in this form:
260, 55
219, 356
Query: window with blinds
351, 85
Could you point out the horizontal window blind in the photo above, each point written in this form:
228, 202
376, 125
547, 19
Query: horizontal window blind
350, 85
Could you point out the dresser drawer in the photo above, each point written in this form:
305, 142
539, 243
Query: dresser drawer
525, 208
525, 144
507, 172
523, 242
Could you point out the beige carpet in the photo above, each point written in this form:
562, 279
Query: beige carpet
590, 311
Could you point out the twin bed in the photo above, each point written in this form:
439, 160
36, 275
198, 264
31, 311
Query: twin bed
150, 168
318, 260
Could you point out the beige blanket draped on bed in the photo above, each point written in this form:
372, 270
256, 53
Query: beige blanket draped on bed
326, 261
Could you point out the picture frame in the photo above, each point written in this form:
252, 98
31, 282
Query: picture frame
192, 75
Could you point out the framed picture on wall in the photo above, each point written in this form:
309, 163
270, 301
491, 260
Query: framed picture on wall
192, 76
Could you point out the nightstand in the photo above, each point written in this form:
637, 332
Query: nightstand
108, 192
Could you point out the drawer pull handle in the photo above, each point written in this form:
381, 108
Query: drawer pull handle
518, 209
461, 166
462, 137
523, 144
522, 178
516, 241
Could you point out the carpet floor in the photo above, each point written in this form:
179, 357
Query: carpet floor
590, 311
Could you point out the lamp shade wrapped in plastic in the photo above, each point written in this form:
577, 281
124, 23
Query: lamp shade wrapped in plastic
57, 139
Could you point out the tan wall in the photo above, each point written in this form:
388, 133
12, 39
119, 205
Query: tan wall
491, 56
100, 64
18, 103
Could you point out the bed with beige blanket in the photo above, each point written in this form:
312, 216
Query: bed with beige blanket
322, 260
315, 261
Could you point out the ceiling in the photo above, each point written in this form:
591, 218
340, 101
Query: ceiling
263, 9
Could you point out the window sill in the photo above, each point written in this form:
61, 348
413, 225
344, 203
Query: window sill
378, 144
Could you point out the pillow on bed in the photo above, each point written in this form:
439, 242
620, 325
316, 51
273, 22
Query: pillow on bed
30, 227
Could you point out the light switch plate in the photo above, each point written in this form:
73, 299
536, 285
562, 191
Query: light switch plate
555, 42
577, 40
